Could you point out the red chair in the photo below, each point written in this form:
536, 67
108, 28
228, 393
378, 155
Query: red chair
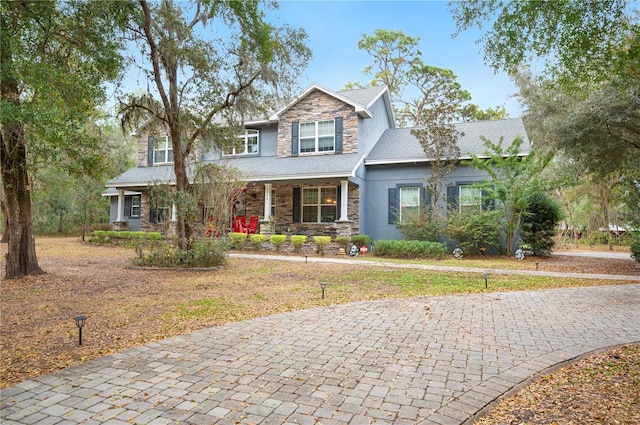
239, 224
253, 225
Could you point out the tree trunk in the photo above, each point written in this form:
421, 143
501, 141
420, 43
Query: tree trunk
21, 256
5, 217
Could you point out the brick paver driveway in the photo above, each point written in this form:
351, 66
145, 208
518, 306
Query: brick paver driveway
431, 360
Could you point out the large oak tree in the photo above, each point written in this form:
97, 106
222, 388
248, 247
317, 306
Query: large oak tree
55, 57
213, 64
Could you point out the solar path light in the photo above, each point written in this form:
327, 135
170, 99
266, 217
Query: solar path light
323, 285
80, 321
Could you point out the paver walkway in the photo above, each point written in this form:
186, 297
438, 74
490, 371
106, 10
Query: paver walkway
429, 360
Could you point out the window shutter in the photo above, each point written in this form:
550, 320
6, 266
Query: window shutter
338, 131
296, 204
452, 197
425, 197
393, 205
150, 150
127, 206
295, 127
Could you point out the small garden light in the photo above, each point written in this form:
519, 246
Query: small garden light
80, 321
485, 275
323, 285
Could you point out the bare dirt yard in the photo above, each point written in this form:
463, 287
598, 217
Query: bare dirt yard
127, 307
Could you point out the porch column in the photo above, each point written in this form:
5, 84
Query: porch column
119, 217
267, 201
344, 200
174, 212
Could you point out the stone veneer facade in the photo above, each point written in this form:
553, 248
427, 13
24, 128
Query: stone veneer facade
319, 106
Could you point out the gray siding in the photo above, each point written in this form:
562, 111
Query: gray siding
375, 214
134, 222
370, 129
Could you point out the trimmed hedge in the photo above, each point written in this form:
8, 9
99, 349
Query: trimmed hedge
321, 242
277, 240
361, 240
109, 236
409, 249
298, 241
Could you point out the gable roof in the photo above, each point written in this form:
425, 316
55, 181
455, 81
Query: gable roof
361, 109
398, 145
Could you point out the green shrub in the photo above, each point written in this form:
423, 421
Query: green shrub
635, 247
99, 236
420, 227
475, 231
409, 249
298, 241
344, 242
321, 242
237, 239
109, 236
539, 224
277, 240
256, 240
361, 240
597, 237
209, 252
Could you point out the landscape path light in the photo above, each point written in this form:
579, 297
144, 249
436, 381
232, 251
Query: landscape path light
80, 321
323, 285
485, 275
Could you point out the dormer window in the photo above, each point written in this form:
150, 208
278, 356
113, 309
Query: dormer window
318, 136
163, 151
245, 144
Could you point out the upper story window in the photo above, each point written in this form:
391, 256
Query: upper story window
245, 144
162, 150
318, 136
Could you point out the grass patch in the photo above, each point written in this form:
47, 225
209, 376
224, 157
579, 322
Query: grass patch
201, 308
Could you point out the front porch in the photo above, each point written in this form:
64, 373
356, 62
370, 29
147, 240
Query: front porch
306, 208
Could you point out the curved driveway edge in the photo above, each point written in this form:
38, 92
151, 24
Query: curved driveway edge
429, 360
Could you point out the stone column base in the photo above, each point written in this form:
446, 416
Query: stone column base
344, 228
120, 226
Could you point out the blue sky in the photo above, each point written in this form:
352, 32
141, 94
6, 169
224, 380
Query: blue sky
335, 27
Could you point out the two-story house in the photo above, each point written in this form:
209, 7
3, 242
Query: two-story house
327, 163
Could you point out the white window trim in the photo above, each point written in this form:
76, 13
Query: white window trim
164, 145
316, 137
469, 201
401, 206
133, 205
318, 205
248, 133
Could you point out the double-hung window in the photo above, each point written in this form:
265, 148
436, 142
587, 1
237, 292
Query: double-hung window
409, 202
245, 144
135, 206
319, 204
162, 212
163, 151
469, 198
318, 136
